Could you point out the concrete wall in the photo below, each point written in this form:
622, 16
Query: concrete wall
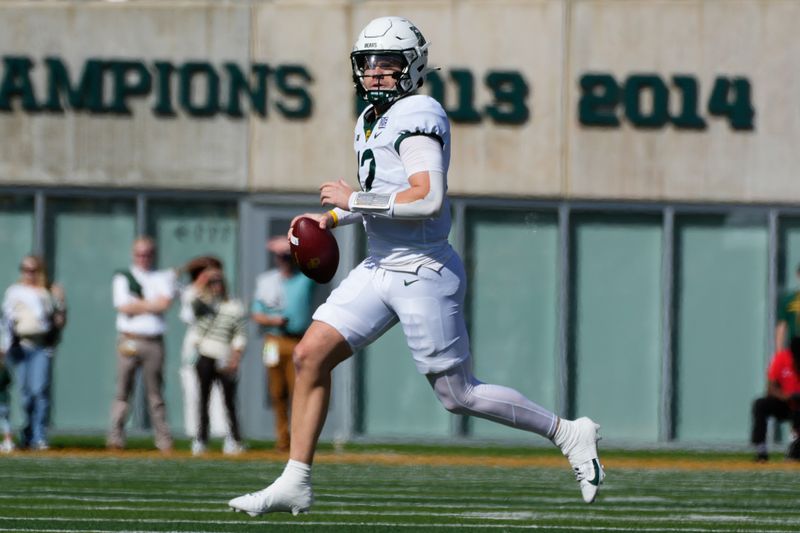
552, 43
137, 150
754, 39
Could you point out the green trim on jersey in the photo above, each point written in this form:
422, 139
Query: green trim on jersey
369, 125
368, 155
405, 135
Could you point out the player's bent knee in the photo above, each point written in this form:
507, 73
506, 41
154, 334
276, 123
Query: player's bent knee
304, 358
320, 350
454, 405
457, 409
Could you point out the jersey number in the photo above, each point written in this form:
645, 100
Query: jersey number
367, 156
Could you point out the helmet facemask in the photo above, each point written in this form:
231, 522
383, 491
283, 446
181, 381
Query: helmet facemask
393, 64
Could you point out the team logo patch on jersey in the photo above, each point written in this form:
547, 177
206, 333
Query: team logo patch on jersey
383, 122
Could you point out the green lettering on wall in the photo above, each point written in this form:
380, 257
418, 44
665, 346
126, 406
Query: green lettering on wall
464, 110
510, 92
202, 72
599, 98
688, 117
303, 106
435, 85
131, 78
731, 98
465, 107
635, 86
164, 107
86, 96
17, 83
239, 83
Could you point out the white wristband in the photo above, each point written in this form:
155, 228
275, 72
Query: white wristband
370, 202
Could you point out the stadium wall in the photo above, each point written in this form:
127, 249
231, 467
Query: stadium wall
683, 100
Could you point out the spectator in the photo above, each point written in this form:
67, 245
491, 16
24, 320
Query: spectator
282, 307
5, 423
141, 297
188, 372
782, 400
788, 317
221, 339
36, 313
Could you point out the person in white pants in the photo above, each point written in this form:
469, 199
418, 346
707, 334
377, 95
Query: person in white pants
411, 275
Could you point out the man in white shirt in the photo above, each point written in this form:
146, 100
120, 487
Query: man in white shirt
141, 297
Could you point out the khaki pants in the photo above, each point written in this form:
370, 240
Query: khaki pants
147, 353
281, 386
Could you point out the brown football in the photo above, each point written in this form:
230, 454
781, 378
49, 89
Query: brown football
314, 250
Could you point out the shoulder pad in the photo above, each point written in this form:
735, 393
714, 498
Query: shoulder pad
420, 115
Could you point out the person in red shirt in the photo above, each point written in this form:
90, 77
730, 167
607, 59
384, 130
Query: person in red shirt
782, 400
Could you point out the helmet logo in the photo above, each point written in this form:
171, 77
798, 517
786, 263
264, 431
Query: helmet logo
420, 38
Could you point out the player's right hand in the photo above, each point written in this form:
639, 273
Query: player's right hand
335, 193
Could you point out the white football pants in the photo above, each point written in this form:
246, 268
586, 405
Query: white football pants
428, 304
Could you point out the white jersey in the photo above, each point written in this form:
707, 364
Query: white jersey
394, 244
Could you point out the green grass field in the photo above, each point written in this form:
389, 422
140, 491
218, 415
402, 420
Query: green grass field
67, 491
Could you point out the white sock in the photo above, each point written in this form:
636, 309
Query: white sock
568, 438
563, 433
297, 472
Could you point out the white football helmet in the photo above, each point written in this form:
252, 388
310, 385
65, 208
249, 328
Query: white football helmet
394, 41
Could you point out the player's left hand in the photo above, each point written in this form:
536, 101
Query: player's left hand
335, 193
323, 219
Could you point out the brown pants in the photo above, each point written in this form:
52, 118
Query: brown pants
149, 355
280, 379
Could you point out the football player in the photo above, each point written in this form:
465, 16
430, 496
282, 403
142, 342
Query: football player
411, 275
